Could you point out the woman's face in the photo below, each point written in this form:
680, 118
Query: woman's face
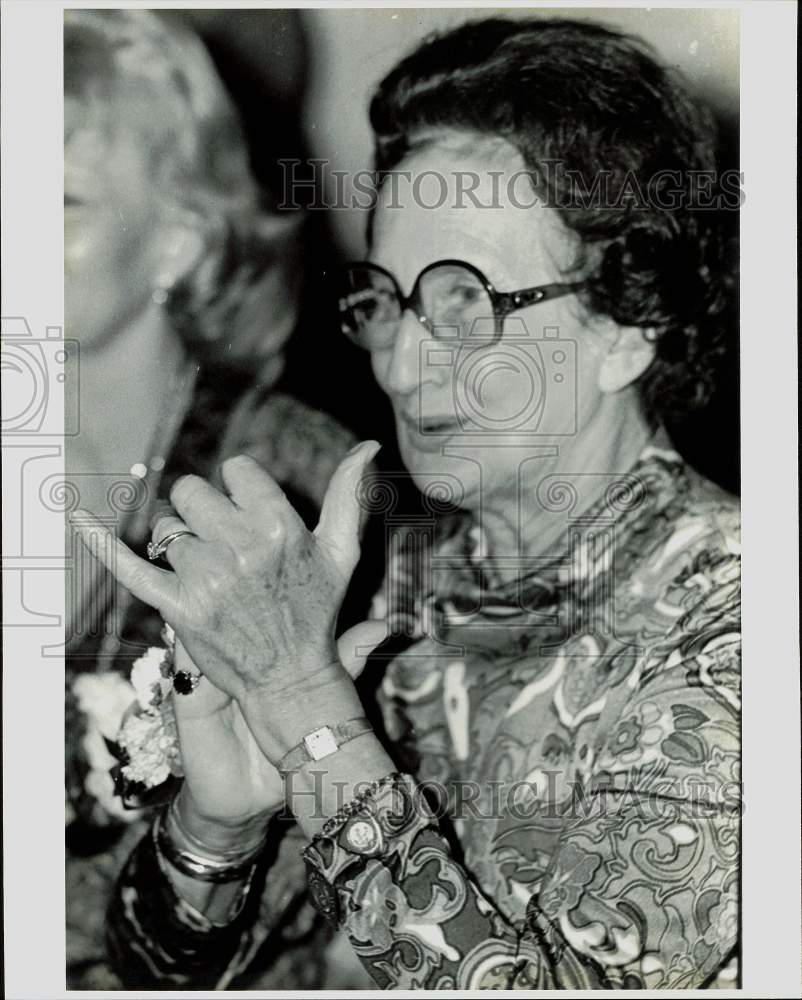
476, 411
113, 241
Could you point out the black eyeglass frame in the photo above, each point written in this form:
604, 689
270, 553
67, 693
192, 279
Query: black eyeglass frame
503, 303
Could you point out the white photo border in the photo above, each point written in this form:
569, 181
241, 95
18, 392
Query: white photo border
33, 707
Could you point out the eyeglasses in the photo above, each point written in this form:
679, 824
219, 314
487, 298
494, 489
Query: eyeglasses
448, 296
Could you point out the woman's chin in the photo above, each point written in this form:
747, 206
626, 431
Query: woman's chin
445, 482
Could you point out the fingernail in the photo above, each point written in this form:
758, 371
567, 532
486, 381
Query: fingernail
371, 448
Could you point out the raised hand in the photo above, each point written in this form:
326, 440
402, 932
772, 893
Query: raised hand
255, 596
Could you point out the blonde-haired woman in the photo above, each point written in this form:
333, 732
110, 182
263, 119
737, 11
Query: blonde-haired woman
182, 291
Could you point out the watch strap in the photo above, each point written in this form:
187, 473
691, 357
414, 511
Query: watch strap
322, 742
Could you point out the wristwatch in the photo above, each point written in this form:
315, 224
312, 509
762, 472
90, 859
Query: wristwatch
321, 743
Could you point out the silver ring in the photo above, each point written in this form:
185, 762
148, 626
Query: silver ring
156, 550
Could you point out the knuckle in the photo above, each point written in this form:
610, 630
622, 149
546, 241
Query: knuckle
278, 533
162, 509
184, 488
248, 560
162, 525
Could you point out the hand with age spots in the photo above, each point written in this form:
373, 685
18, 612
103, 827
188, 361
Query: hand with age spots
254, 596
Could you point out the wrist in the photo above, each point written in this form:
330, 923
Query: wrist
280, 723
319, 789
219, 833
215, 884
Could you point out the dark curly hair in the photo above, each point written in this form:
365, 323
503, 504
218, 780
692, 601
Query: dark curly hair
597, 104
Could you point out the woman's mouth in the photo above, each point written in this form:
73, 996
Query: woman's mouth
427, 433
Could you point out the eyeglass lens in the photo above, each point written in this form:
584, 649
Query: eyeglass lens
452, 300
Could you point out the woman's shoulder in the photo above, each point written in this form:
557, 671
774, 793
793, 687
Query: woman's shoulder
684, 577
709, 513
691, 579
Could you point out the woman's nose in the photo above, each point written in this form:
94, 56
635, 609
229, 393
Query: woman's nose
408, 366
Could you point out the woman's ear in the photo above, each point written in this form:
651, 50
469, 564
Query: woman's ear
629, 354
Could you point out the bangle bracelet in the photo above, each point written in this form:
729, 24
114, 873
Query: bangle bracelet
178, 833
205, 869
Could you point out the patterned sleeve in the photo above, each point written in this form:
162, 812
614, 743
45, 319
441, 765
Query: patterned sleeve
641, 891
157, 941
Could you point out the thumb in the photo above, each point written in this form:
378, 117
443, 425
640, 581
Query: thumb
338, 527
356, 645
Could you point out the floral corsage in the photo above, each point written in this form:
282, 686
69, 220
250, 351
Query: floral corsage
130, 757
149, 757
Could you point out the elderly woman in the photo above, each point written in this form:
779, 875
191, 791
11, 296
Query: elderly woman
554, 799
182, 292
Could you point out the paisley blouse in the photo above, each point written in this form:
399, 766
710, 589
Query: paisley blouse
567, 812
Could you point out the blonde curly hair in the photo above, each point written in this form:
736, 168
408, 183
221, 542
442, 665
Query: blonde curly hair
146, 75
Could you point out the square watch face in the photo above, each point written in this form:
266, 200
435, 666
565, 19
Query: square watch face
320, 743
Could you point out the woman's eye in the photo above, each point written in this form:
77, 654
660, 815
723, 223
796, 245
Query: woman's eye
364, 301
370, 303
462, 296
